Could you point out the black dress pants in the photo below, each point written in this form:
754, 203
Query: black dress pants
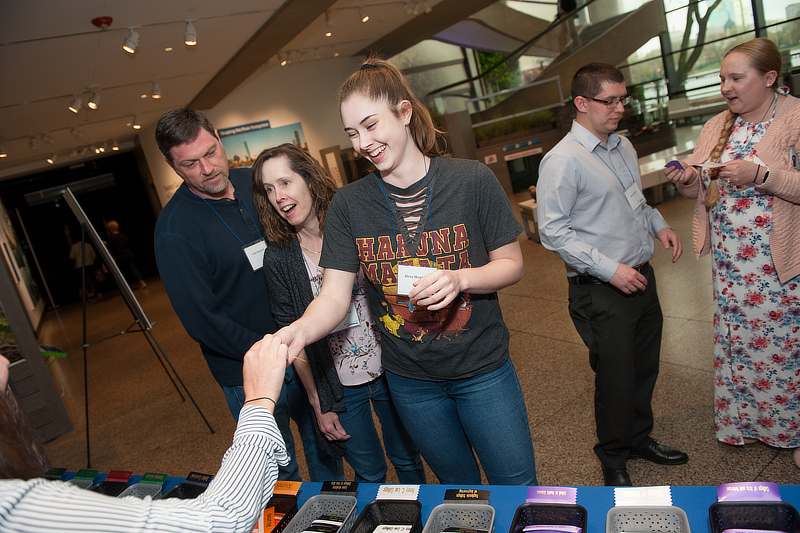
623, 334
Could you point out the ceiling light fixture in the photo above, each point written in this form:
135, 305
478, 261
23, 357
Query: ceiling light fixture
329, 18
335, 52
155, 91
283, 59
115, 146
363, 16
189, 34
2, 151
32, 143
46, 138
328, 34
76, 132
75, 106
131, 41
94, 101
136, 124
52, 158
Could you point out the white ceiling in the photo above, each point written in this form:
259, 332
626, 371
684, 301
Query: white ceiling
50, 51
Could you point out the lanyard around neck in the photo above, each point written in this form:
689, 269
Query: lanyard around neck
227, 225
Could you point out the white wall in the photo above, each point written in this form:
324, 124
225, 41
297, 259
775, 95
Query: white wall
301, 92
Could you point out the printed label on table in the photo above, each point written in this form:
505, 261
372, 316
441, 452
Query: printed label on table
565, 495
197, 478
287, 487
85, 473
552, 528
384, 528
467, 496
55, 473
339, 487
397, 492
638, 496
153, 478
119, 476
748, 492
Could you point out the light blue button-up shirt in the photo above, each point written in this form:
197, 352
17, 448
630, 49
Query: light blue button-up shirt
582, 210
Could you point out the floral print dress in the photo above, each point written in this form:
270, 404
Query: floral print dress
756, 319
356, 351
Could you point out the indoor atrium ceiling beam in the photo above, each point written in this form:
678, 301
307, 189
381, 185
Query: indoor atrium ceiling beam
442, 16
283, 26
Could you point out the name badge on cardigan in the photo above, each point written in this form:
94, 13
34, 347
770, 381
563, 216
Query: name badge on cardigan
255, 254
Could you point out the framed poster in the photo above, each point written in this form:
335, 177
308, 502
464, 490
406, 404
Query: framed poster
243, 143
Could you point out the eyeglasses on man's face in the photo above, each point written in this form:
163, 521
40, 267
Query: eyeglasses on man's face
611, 103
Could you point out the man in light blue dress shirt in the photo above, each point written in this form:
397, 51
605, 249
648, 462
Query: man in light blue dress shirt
592, 213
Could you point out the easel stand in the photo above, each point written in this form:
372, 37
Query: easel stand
141, 323
139, 326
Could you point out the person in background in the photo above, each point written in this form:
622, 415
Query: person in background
79, 255
232, 502
120, 247
592, 213
292, 193
747, 216
444, 345
209, 248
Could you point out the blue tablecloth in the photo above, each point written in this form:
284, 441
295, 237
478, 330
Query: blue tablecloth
695, 501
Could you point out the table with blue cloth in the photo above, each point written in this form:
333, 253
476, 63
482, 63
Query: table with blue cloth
597, 501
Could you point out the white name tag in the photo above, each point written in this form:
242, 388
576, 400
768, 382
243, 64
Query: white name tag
407, 275
255, 254
634, 196
350, 320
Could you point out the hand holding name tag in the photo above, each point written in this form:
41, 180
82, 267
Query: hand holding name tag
429, 287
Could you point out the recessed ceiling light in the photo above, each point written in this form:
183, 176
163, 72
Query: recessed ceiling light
52, 158
168, 49
328, 34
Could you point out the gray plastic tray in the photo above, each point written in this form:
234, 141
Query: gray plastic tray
468, 515
325, 504
650, 519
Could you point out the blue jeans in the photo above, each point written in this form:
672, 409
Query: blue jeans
364, 450
293, 403
448, 419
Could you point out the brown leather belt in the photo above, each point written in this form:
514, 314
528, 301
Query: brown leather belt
643, 269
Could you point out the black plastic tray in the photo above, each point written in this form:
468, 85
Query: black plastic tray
778, 516
109, 488
184, 491
529, 514
389, 512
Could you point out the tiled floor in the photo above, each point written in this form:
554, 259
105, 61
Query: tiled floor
139, 423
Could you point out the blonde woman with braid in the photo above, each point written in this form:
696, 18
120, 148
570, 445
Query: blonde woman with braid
748, 216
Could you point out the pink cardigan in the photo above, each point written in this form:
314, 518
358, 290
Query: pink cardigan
783, 183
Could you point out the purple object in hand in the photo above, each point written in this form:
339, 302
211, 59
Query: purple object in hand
674, 164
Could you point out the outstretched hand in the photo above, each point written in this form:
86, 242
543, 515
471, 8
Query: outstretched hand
263, 372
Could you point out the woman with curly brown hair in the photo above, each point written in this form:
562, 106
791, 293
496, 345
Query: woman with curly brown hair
345, 380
